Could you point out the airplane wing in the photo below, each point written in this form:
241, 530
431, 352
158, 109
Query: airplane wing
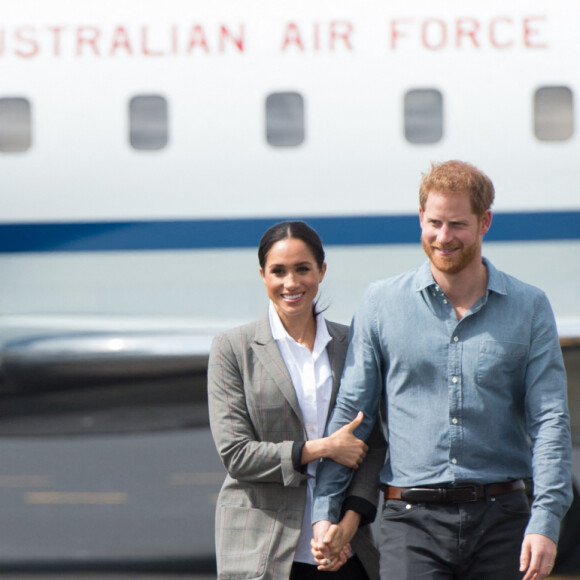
87, 383
77, 360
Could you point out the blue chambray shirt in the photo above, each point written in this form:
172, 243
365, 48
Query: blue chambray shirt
479, 400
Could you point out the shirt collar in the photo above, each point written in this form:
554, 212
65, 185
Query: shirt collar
279, 332
495, 282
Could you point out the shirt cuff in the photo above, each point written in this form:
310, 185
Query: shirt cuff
545, 523
297, 447
362, 506
325, 508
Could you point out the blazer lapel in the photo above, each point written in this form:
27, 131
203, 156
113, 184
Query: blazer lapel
267, 352
337, 348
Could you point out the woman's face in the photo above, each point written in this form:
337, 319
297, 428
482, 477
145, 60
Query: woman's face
291, 276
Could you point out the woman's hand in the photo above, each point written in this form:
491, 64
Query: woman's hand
342, 446
345, 447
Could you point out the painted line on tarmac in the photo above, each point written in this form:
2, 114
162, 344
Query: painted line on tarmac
76, 497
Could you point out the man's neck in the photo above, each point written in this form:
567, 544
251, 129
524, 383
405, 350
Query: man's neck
463, 289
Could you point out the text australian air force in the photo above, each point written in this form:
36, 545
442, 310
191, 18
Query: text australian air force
500, 33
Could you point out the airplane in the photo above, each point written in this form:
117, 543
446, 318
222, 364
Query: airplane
145, 147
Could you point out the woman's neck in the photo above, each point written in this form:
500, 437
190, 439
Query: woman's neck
303, 331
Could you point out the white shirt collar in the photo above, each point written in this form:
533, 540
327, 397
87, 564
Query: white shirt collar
280, 333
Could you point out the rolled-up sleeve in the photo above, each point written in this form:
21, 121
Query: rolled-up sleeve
360, 390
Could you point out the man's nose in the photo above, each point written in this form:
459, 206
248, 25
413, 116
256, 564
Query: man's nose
444, 234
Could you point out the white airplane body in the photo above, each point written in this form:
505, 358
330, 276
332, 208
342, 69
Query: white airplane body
100, 234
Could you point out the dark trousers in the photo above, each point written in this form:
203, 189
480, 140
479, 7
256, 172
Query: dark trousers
443, 541
351, 570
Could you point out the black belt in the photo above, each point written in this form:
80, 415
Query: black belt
464, 493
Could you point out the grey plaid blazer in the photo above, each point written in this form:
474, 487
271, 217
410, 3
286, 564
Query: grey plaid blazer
255, 419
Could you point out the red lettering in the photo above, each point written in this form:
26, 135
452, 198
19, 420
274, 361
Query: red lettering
120, 40
493, 38
467, 27
292, 36
396, 33
88, 35
337, 33
316, 36
426, 36
56, 30
529, 31
21, 35
174, 37
197, 38
145, 44
497, 33
225, 34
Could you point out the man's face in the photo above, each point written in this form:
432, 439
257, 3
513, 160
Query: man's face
451, 233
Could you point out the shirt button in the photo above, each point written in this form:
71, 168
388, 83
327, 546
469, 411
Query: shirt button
455, 421
455, 338
444, 300
454, 461
454, 380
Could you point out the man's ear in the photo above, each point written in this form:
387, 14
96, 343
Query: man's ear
485, 221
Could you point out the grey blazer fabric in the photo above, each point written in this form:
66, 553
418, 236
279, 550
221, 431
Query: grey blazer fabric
255, 419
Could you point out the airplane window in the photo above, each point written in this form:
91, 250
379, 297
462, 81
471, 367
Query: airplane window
15, 125
148, 122
553, 113
285, 119
423, 116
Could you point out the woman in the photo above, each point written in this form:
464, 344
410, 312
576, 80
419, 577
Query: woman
271, 385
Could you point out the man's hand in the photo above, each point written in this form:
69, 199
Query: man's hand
537, 557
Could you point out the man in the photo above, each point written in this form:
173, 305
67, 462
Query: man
469, 366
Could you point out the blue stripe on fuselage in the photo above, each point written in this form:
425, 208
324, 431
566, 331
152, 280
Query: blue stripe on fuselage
244, 233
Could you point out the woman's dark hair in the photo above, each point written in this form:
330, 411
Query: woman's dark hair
291, 229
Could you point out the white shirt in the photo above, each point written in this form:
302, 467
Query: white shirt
312, 379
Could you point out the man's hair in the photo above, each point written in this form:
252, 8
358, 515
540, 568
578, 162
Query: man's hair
455, 177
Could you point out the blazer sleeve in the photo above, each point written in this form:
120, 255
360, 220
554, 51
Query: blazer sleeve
244, 455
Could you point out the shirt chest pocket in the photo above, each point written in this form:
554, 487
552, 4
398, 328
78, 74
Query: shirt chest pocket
500, 364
